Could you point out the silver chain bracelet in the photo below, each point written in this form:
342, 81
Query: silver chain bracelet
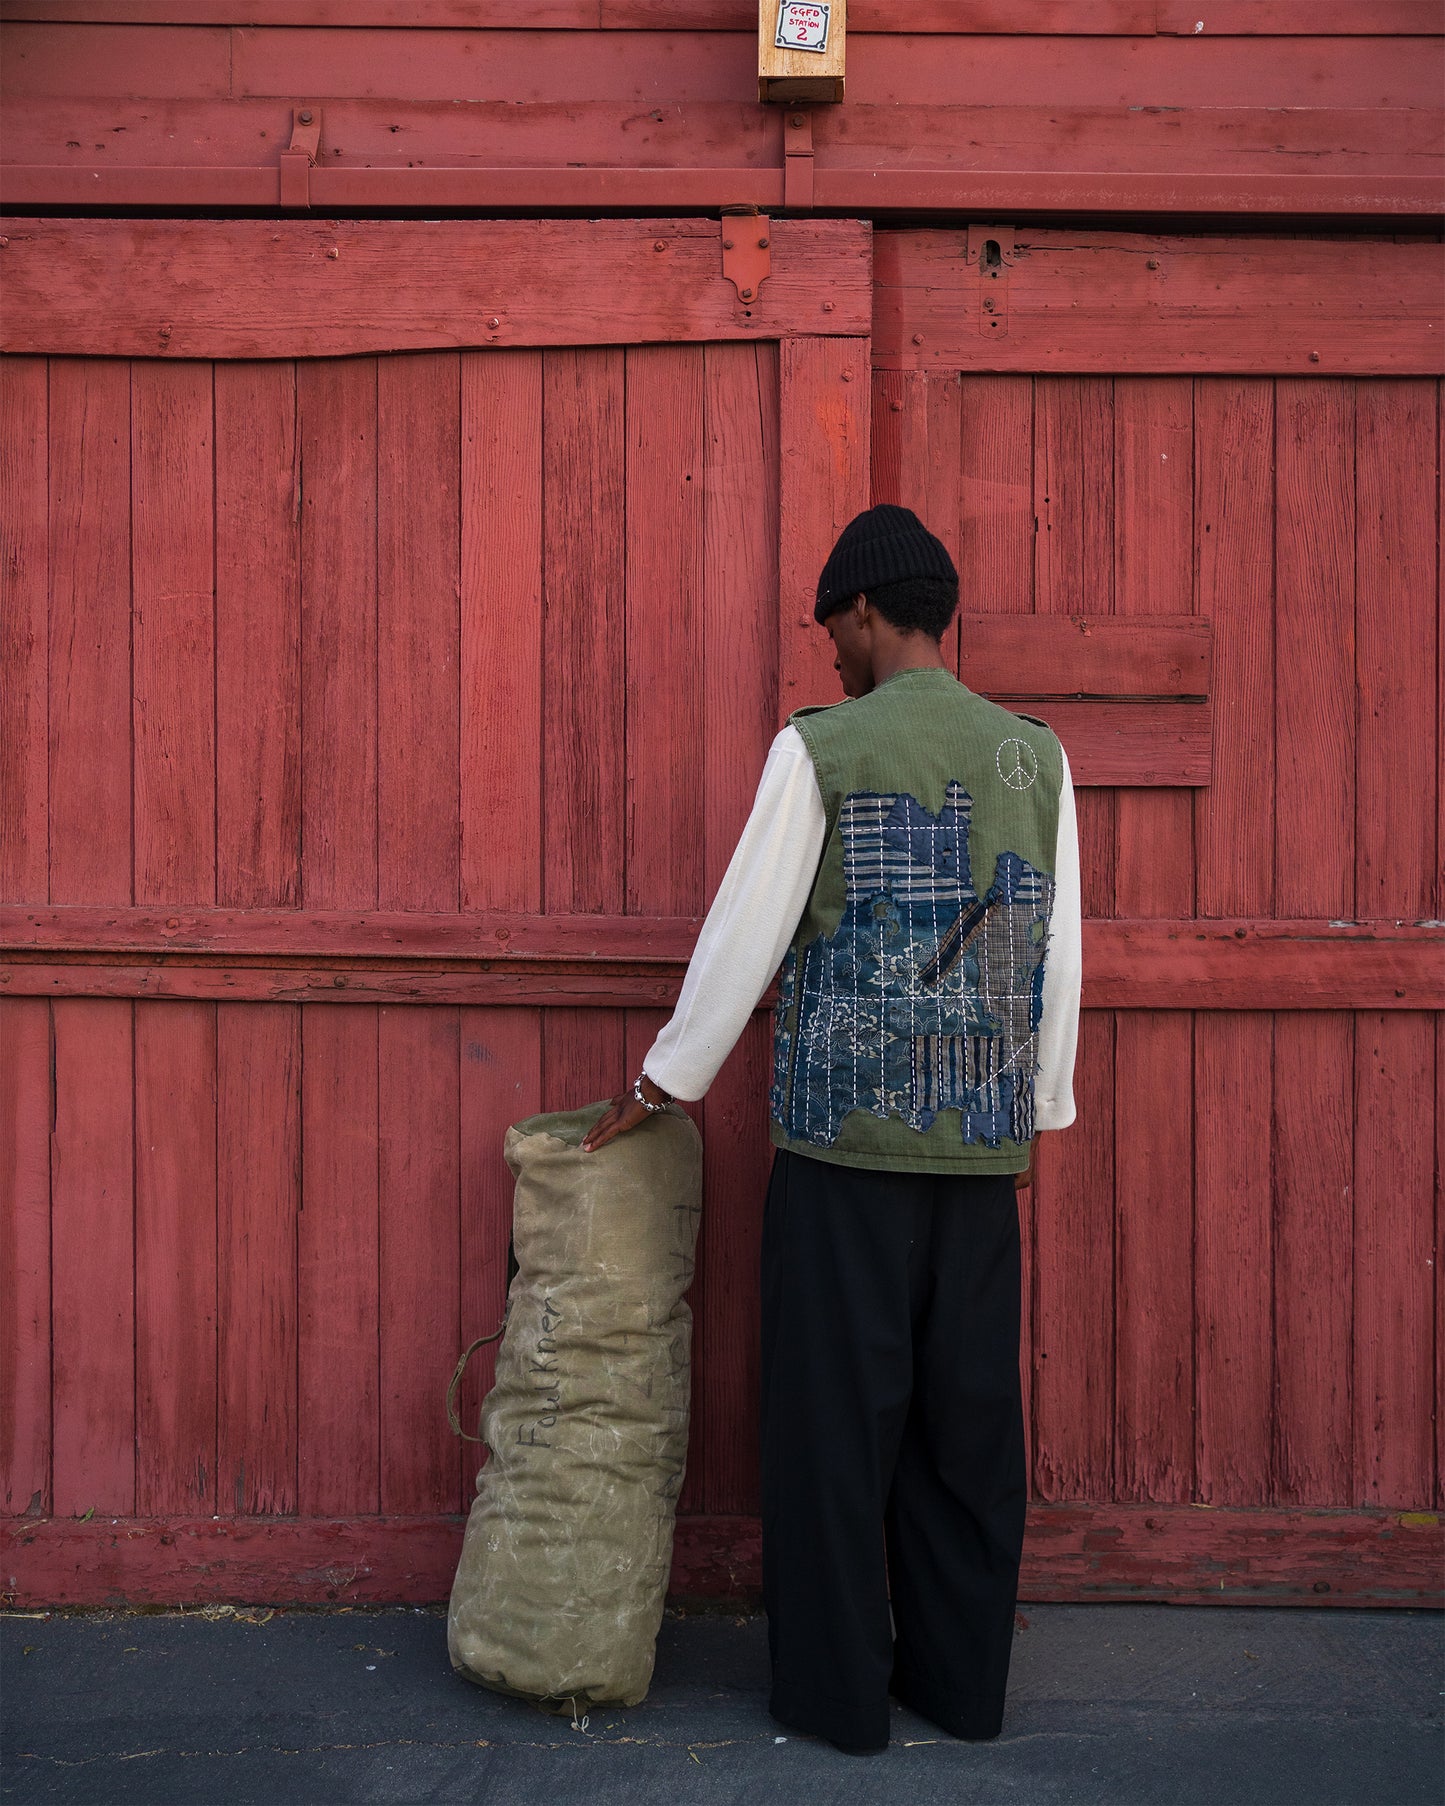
651, 1108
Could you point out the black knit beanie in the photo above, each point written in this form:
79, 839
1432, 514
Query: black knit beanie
881, 545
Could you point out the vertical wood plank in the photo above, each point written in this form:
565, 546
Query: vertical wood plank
1153, 1054
90, 631
662, 634
502, 801
996, 500
942, 509
92, 1252
823, 482
1073, 1242
1397, 775
25, 1106
501, 1083
740, 608
25, 576
258, 631
336, 436
1314, 876
419, 1184
1234, 866
584, 726
173, 654
338, 1406
418, 630
338, 1379
175, 1257
258, 1162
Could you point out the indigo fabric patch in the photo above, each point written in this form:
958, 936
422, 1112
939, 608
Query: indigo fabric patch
928, 996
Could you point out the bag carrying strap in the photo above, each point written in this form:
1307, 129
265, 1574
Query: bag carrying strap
456, 1379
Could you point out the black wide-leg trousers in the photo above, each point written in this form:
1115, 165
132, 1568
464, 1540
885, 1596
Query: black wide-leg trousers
892, 1445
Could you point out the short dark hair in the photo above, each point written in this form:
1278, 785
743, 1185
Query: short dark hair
925, 604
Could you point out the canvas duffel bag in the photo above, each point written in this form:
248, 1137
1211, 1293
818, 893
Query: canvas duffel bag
559, 1592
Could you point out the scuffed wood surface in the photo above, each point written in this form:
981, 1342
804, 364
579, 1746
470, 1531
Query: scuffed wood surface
334, 288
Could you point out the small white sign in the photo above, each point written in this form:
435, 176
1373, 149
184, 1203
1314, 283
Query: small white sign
802, 27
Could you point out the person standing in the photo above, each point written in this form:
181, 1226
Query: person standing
911, 864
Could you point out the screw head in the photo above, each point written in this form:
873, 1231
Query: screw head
659, 244
827, 307
747, 294
333, 252
797, 119
493, 323
305, 118
727, 244
762, 244
1314, 357
918, 338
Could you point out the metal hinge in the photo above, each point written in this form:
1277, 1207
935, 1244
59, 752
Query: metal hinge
798, 160
299, 157
747, 258
992, 249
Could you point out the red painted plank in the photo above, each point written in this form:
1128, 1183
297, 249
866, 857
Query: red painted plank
501, 1083
418, 631
336, 442
1153, 1054
583, 827
392, 285
257, 677
25, 1092
823, 450
1073, 18
173, 654
1111, 302
996, 531
24, 557
1233, 1312
92, 1259
662, 635
740, 653
1394, 1253
502, 649
258, 1166
1074, 1552
1397, 773
90, 633
1005, 655
175, 1258
419, 1133
583, 1056
338, 1407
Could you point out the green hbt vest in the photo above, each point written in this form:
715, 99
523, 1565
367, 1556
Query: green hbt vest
905, 1029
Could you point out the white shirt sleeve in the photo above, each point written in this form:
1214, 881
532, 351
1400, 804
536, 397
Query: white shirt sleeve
1058, 1031
752, 919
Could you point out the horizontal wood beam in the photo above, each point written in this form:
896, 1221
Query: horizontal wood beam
882, 191
1071, 18
1138, 302
1077, 656
338, 957
1180, 1553
334, 288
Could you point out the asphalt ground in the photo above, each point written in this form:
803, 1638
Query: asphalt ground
1109, 1705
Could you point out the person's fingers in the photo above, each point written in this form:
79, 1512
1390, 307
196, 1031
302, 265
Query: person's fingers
1024, 1179
625, 1113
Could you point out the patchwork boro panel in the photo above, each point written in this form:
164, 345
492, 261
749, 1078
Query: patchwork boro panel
927, 997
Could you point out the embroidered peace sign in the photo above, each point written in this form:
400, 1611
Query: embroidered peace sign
1017, 763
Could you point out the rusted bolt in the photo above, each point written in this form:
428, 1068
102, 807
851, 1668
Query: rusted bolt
493, 323
339, 982
1321, 1586
797, 119
333, 252
762, 244
1152, 264
747, 294
727, 244
165, 329
659, 244
305, 119
1314, 357
918, 338
847, 376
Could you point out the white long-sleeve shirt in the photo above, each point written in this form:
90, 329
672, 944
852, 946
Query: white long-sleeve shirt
757, 910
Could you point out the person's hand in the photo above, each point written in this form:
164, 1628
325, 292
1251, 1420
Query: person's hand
1025, 1178
623, 1113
